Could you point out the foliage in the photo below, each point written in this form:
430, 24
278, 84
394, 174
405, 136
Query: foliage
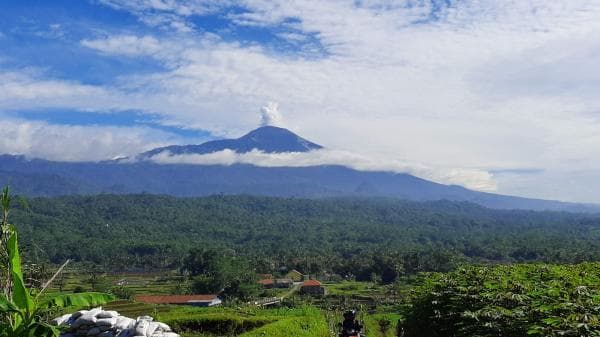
516, 300
298, 327
303, 321
381, 324
220, 324
350, 237
78, 289
20, 312
215, 271
123, 292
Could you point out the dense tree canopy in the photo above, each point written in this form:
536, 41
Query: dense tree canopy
351, 237
213, 271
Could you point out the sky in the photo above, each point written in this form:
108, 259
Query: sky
494, 95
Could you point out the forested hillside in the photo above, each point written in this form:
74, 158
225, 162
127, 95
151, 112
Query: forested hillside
363, 237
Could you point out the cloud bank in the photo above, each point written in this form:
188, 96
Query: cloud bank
76, 143
470, 178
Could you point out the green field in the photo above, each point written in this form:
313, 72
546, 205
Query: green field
300, 316
534, 299
150, 283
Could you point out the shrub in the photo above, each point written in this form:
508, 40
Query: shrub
78, 289
123, 293
515, 300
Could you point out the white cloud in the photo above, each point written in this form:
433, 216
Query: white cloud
128, 45
474, 179
19, 86
76, 143
485, 85
168, 14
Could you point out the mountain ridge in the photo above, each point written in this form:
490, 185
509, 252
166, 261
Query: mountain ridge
269, 139
38, 177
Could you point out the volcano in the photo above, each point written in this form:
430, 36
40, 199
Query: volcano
269, 139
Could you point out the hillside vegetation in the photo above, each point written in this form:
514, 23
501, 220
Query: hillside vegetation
516, 300
362, 237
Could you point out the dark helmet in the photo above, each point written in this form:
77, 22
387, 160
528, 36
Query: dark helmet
350, 314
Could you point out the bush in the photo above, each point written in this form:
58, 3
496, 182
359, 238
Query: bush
220, 324
123, 293
79, 289
515, 300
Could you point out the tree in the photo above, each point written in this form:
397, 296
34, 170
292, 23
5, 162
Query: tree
213, 271
96, 277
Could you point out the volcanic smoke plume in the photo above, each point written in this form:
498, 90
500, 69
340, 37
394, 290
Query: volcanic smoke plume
270, 115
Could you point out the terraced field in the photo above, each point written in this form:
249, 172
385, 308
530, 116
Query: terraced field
155, 283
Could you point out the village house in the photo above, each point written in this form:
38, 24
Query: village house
265, 276
295, 276
283, 283
267, 283
195, 300
312, 287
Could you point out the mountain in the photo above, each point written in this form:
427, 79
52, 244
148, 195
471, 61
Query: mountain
37, 177
269, 139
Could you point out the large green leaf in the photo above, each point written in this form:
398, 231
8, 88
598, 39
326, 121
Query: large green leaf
79, 300
7, 306
21, 297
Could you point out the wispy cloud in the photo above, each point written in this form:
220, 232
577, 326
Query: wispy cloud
128, 45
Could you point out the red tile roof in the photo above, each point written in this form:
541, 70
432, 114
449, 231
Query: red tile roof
174, 299
311, 283
266, 282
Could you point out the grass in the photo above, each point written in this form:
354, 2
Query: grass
247, 322
373, 324
352, 288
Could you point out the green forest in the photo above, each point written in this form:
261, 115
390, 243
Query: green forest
359, 238
414, 269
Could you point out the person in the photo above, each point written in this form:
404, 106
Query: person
350, 326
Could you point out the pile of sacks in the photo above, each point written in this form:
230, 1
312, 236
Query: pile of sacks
101, 323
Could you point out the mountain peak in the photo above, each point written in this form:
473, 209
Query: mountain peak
269, 139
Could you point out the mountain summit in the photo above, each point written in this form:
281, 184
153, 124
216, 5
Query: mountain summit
269, 139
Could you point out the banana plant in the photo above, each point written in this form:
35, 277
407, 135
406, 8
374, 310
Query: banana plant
21, 313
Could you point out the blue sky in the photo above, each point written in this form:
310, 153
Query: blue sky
494, 95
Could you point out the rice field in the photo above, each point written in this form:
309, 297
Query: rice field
155, 283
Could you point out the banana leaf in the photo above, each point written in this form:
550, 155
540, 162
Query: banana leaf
80, 300
7, 306
20, 295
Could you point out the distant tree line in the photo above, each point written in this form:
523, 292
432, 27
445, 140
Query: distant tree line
366, 239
